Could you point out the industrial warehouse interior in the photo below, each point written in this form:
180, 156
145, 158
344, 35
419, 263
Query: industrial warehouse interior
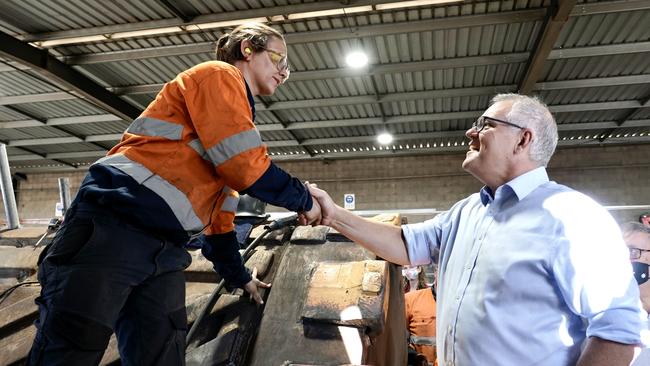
376, 106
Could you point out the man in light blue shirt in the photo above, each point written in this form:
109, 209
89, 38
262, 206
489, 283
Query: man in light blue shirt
531, 272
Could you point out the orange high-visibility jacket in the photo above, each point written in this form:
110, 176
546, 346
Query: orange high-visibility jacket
421, 321
195, 146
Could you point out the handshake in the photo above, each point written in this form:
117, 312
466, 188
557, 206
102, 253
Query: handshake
323, 209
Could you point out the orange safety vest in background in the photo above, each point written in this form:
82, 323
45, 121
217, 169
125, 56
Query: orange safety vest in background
196, 146
421, 322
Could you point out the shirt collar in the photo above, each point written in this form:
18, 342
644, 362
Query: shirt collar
521, 185
251, 99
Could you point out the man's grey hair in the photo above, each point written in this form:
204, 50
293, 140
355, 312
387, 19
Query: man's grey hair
532, 113
634, 227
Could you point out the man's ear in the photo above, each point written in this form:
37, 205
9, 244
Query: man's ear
525, 140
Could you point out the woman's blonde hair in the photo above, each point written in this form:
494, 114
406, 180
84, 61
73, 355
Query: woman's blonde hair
258, 34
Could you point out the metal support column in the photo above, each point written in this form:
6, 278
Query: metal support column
8, 198
64, 193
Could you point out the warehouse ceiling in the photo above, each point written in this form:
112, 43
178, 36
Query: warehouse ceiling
73, 74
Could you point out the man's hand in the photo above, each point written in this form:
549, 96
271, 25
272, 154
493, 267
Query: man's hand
252, 285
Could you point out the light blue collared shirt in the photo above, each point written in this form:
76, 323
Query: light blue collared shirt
526, 275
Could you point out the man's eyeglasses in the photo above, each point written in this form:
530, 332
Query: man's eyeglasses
480, 123
635, 253
279, 60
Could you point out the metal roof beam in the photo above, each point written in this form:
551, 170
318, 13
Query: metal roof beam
267, 12
64, 140
333, 140
593, 51
327, 35
609, 7
66, 155
51, 68
370, 121
464, 21
281, 11
370, 71
599, 106
556, 17
167, 51
59, 121
36, 98
387, 98
12, 66
154, 88
436, 117
344, 155
593, 82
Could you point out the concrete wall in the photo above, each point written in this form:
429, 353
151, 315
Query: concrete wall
614, 175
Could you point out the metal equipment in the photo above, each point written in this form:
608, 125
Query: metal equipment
275, 225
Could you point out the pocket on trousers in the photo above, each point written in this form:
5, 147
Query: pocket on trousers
81, 332
174, 350
178, 319
68, 241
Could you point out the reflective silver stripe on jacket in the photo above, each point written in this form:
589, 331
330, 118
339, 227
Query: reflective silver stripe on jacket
231, 202
198, 147
147, 126
234, 145
422, 341
177, 200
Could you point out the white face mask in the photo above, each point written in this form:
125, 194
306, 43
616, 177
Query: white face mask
411, 272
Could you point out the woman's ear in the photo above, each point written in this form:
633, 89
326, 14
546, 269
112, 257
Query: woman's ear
246, 49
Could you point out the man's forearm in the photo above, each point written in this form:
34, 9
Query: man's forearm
601, 352
382, 239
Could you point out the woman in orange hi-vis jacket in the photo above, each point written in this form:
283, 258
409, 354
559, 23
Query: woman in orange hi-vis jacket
116, 263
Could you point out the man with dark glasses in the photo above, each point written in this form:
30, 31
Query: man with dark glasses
637, 239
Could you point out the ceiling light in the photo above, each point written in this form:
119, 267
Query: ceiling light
385, 138
356, 59
224, 24
62, 41
144, 32
408, 4
326, 13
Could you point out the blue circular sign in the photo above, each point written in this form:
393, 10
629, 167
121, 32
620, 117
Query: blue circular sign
349, 199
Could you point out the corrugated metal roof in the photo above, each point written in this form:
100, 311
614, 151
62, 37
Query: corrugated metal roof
433, 70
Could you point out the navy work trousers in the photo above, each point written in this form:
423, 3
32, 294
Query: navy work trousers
101, 275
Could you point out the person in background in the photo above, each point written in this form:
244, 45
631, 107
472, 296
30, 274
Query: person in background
644, 218
521, 279
412, 276
637, 239
116, 263
420, 306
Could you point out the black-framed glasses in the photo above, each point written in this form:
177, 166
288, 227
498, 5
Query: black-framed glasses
480, 123
635, 253
279, 60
